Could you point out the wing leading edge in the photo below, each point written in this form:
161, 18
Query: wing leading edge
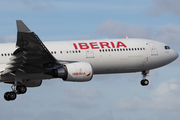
31, 55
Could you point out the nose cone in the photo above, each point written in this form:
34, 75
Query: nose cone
174, 55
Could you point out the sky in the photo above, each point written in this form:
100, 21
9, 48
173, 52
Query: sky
105, 97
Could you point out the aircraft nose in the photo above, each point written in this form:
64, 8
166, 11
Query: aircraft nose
175, 55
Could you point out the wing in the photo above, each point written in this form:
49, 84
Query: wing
31, 55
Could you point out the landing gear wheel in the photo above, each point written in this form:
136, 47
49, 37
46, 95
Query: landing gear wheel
21, 89
6, 96
144, 82
10, 96
17, 88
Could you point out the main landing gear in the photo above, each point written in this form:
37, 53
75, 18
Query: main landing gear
144, 81
16, 89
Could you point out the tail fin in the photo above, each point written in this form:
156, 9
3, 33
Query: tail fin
21, 27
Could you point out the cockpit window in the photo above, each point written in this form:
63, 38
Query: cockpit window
167, 47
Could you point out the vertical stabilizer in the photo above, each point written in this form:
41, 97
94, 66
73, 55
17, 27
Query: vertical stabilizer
21, 27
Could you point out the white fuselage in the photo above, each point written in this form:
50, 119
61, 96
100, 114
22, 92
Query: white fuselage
106, 55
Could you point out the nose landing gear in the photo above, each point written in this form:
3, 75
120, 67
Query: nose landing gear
144, 81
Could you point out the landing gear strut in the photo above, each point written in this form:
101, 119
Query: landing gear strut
16, 89
144, 81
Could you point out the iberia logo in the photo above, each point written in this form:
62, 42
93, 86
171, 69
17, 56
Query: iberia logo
82, 73
88, 74
79, 73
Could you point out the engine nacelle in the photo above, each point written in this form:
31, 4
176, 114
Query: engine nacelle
76, 72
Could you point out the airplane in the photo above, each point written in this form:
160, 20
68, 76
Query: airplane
33, 60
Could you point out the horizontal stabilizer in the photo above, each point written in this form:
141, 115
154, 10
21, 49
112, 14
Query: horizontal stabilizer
21, 27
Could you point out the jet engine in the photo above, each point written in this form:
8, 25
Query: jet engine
76, 72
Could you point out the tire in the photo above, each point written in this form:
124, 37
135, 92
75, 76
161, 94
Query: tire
6, 96
12, 95
21, 89
144, 82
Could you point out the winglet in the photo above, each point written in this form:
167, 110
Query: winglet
21, 27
